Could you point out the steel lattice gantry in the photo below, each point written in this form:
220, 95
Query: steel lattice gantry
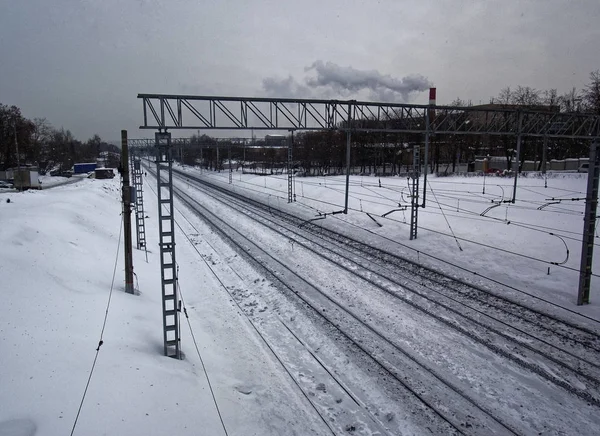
166, 229
414, 198
162, 112
139, 201
206, 112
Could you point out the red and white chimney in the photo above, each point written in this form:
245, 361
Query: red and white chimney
432, 96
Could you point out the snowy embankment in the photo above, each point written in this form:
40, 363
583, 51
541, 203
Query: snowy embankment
56, 266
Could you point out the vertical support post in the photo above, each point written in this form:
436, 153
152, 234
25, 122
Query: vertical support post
587, 244
230, 168
544, 155
218, 166
201, 158
414, 201
430, 113
518, 156
289, 167
126, 196
139, 202
426, 158
348, 142
166, 232
19, 175
544, 161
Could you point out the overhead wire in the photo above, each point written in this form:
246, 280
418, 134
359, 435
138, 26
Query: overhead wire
241, 310
463, 239
447, 222
101, 340
212, 392
454, 265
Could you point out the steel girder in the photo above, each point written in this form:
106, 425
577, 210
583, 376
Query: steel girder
237, 113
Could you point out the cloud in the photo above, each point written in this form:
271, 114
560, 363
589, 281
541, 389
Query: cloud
334, 81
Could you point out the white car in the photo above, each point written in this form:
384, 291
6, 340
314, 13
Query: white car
4, 184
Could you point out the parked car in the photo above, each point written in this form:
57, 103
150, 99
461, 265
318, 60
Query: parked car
61, 173
583, 168
4, 184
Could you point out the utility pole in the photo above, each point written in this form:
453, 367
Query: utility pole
230, 167
126, 195
18, 157
544, 159
414, 199
348, 143
289, 167
587, 244
171, 304
518, 157
428, 115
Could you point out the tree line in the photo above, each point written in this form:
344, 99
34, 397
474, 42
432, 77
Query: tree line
324, 152
41, 144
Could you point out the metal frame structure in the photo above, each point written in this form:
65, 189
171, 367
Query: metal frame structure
414, 198
138, 183
230, 167
162, 111
165, 111
290, 168
166, 231
587, 244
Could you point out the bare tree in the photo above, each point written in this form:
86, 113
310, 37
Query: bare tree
550, 97
591, 93
505, 97
571, 101
42, 133
526, 96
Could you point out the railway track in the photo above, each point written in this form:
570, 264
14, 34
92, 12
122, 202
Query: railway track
525, 337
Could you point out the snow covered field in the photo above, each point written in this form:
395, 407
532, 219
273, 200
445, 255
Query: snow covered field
56, 270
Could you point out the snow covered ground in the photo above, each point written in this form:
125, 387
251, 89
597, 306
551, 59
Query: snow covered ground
56, 268
514, 244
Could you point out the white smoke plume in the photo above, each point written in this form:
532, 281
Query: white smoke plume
334, 81
382, 86
285, 88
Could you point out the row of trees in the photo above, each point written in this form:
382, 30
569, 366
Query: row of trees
324, 152
39, 143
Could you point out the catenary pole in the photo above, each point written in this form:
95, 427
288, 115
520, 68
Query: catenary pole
587, 244
126, 195
348, 142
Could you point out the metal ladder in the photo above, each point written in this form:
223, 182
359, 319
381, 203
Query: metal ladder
289, 170
230, 167
414, 204
140, 221
170, 297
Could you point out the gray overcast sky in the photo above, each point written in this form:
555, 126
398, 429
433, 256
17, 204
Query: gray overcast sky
81, 63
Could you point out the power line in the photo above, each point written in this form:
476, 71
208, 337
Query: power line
212, 392
442, 260
101, 341
447, 222
251, 323
471, 272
